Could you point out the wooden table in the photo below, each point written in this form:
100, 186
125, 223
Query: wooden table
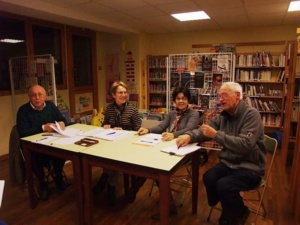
68, 152
138, 160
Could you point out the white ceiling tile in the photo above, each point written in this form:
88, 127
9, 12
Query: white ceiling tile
154, 15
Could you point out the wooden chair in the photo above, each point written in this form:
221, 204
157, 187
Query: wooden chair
256, 204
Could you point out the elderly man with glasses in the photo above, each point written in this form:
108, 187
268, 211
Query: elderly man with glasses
239, 129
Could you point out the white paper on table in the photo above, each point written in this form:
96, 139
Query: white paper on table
1, 190
149, 139
93, 132
173, 150
111, 134
68, 132
44, 139
67, 140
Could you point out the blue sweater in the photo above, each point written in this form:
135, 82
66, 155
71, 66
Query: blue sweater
30, 121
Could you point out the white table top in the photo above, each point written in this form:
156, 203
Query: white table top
123, 150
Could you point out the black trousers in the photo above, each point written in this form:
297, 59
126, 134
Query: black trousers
224, 184
40, 161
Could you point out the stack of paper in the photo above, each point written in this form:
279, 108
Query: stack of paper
67, 132
173, 150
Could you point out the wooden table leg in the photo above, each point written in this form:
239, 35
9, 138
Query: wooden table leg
33, 198
87, 176
164, 198
195, 180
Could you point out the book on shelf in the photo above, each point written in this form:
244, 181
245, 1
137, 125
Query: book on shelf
217, 80
204, 101
185, 79
223, 63
194, 96
193, 61
175, 79
199, 80
206, 63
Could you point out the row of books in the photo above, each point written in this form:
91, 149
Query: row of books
271, 120
266, 106
157, 75
157, 100
157, 62
158, 88
260, 59
257, 75
260, 90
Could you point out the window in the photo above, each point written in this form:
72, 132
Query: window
47, 40
82, 61
10, 29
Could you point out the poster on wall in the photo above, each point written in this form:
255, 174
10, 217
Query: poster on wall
112, 73
84, 102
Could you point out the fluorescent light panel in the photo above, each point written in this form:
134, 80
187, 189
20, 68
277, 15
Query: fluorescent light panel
294, 6
13, 41
199, 15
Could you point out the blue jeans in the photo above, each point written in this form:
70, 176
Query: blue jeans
224, 184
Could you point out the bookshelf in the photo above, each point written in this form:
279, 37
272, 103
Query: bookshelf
292, 110
157, 82
262, 76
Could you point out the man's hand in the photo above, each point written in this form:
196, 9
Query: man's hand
62, 125
208, 131
183, 140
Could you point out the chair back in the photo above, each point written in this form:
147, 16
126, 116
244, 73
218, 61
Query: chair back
271, 147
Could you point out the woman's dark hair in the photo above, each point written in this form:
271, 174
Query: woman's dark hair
183, 90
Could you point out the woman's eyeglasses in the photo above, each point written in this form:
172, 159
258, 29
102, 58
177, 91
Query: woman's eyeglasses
182, 99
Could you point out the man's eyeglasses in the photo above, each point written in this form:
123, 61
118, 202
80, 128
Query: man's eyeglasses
182, 99
35, 95
225, 95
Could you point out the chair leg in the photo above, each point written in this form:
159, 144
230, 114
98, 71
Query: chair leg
150, 192
210, 212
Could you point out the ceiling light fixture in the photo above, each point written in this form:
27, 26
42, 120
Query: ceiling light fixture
13, 41
199, 15
294, 6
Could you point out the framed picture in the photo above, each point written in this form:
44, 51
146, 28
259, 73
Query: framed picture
84, 102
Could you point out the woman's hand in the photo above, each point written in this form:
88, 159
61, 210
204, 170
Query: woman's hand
183, 140
167, 136
143, 131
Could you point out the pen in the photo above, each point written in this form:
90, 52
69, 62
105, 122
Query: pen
41, 139
171, 153
111, 133
178, 147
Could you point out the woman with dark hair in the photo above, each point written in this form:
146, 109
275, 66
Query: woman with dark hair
175, 123
119, 115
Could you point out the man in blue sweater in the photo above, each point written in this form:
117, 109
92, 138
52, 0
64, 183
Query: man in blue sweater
239, 129
35, 117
